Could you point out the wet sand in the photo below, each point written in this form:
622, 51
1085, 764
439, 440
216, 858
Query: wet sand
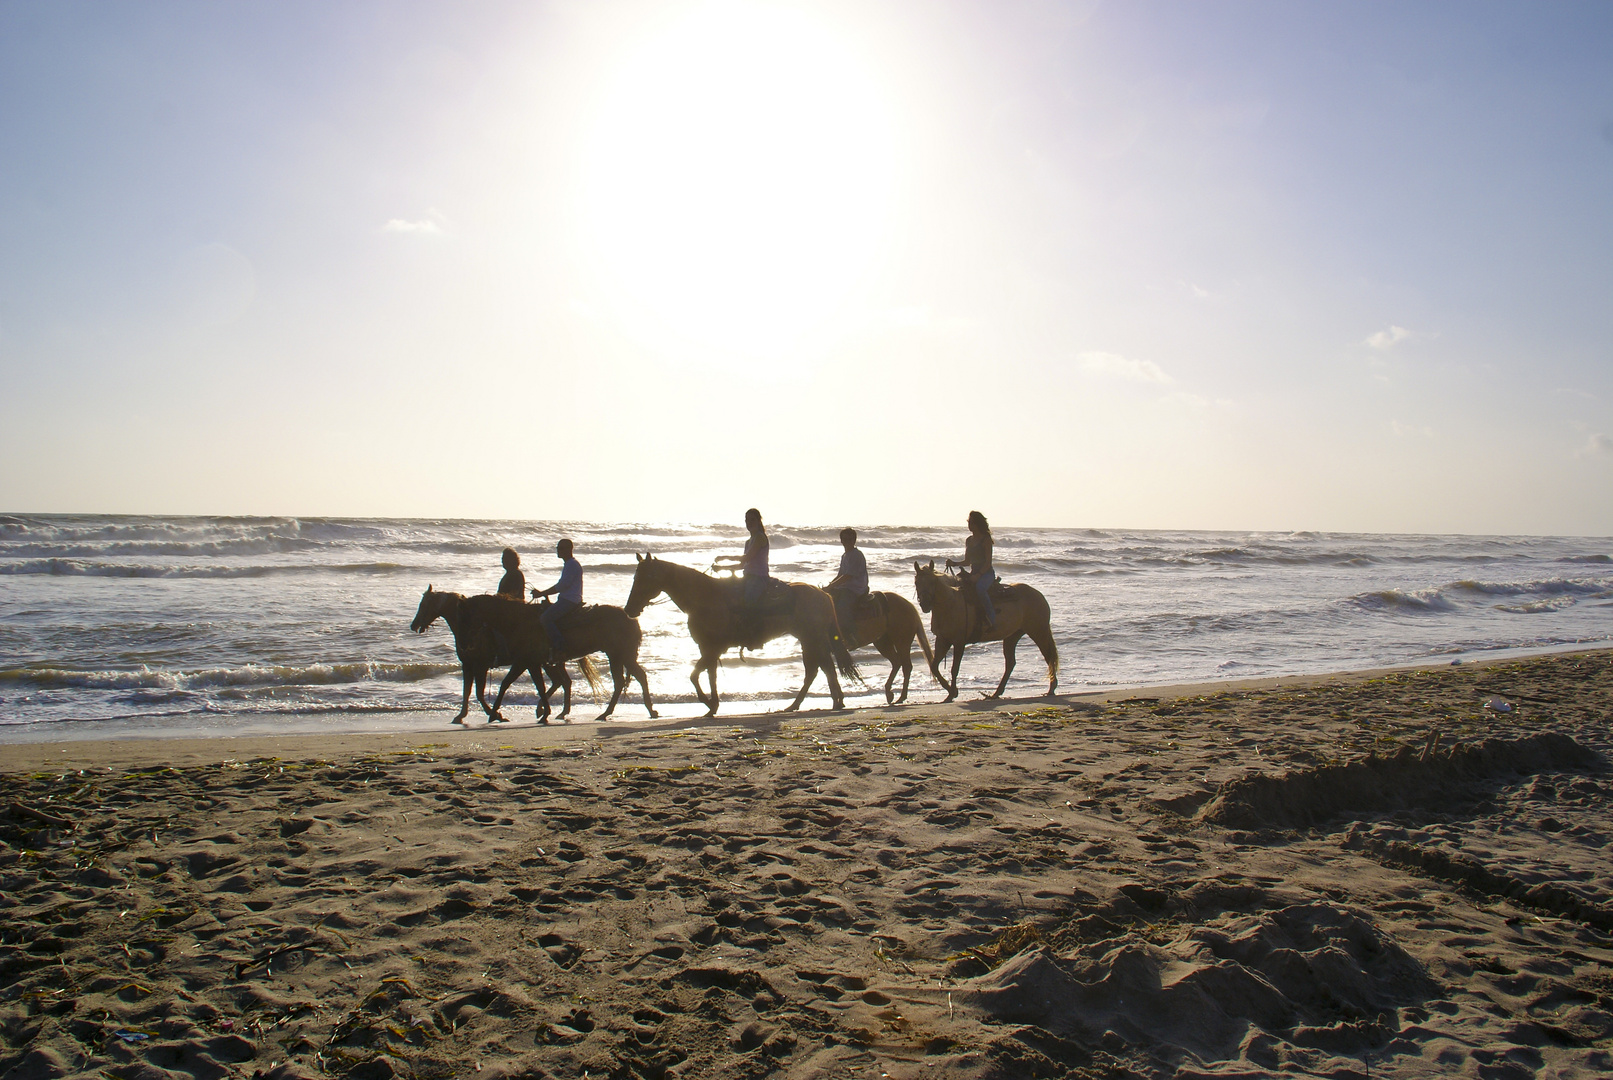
1371, 874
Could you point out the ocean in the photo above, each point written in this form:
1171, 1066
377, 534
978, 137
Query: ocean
114, 626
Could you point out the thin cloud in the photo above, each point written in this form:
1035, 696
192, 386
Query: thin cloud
1388, 339
1598, 445
1121, 367
398, 225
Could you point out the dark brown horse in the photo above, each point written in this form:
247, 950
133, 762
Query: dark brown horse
955, 624
592, 629
488, 635
889, 623
718, 622
472, 644
517, 629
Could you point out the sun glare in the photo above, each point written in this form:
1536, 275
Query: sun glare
738, 183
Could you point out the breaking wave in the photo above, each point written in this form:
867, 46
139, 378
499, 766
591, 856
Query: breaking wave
146, 678
86, 568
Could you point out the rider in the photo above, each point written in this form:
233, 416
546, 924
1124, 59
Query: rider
851, 581
513, 583
977, 557
568, 598
752, 564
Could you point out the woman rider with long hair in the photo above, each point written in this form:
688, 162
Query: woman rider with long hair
977, 557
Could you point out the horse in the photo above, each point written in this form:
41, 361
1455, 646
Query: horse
473, 645
954, 623
716, 624
599, 628
517, 628
480, 645
889, 624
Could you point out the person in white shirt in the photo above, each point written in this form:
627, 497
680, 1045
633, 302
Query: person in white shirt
851, 581
567, 594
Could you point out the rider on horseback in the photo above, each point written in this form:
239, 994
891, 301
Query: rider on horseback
753, 564
851, 581
569, 598
513, 583
977, 557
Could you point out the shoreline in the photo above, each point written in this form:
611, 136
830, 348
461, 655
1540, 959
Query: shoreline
35, 748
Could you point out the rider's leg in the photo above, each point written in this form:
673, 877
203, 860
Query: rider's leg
551, 622
983, 591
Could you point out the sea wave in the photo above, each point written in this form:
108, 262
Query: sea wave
89, 568
270, 545
147, 678
1550, 594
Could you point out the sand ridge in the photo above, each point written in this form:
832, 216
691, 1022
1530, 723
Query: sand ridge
1291, 878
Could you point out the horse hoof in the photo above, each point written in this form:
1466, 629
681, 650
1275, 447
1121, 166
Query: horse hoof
654, 715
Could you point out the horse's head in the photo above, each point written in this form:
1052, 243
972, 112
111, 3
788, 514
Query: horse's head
924, 584
432, 605
647, 584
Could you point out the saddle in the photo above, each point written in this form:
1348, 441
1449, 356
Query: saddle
775, 597
573, 617
869, 605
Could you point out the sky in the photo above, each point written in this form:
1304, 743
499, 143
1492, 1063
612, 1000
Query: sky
1224, 265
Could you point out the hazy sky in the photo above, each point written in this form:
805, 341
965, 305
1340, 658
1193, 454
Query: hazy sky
1197, 265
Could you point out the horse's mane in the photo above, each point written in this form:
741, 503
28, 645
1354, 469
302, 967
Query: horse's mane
687, 570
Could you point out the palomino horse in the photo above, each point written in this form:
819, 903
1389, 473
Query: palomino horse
596, 628
472, 644
889, 623
1023, 611
716, 626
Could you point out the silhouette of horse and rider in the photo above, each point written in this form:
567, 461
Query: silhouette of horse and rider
746, 612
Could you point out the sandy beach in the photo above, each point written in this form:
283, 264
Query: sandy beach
1389, 874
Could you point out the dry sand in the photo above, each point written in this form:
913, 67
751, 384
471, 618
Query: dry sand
1293, 878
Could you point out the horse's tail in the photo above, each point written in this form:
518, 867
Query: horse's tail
842, 655
590, 673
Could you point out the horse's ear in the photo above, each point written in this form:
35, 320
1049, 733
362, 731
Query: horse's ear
637, 556
916, 566
932, 564
428, 588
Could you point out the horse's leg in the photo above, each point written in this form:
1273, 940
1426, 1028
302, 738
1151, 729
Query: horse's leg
811, 674
901, 657
700, 695
957, 662
562, 678
615, 686
515, 672
711, 673
543, 694
481, 690
636, 670
887, 649
464, 701
835, 695
1010, 644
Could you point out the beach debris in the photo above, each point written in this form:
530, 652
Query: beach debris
132, 1036
1005, 945
24, 810
1499, 704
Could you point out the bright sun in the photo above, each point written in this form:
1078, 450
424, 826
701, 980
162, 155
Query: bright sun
739, 181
